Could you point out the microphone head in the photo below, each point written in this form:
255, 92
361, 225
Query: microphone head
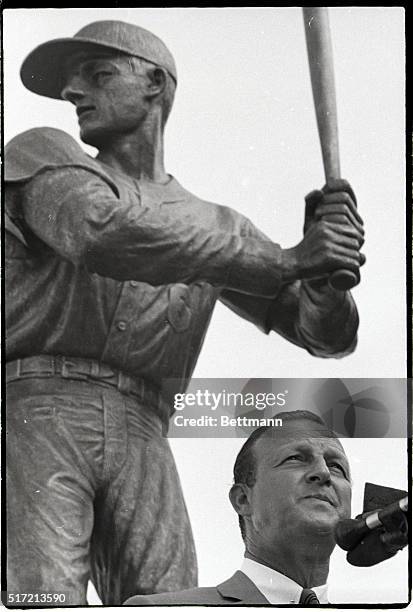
371, 550
349, 532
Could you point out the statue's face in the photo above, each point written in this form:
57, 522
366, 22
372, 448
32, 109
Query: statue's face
302, 485
109, 92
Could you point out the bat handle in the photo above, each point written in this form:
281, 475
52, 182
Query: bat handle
343, 280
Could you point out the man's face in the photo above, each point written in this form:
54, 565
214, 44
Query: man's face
302, 484
108, 91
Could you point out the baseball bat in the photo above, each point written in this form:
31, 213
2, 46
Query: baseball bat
320, 59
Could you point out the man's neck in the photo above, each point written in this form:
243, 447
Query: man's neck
307, 565
138, 154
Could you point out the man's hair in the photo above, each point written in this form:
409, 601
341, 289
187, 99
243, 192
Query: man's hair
245, 467
168, 94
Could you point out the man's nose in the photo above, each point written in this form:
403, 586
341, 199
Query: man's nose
319, 472
74, 89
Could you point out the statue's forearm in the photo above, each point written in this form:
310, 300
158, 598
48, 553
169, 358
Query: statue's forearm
327, 320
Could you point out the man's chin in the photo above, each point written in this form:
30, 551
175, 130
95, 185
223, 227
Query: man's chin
320, 523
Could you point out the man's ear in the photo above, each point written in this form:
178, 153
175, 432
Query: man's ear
157, 81
240, 498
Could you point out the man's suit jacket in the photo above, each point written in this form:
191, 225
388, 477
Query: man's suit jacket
237, 591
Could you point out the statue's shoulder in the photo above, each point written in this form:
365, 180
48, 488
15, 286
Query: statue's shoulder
39, 134
46, 148
39, 148
46, 141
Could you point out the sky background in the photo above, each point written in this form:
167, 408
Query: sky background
243, 133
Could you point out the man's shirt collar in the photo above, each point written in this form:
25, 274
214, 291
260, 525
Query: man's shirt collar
276, 587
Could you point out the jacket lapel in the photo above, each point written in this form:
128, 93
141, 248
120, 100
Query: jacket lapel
241, 588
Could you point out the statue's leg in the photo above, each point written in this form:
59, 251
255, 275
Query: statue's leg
50, 489
142, 540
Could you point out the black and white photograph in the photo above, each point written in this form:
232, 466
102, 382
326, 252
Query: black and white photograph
205, 204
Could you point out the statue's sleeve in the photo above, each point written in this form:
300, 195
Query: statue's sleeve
70, 205
321, 320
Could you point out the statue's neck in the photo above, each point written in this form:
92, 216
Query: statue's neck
139, 154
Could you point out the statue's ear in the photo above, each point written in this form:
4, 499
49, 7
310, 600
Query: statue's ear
157, 80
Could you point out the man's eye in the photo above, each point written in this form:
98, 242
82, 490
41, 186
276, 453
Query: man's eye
294, 458
339, 467
101, 73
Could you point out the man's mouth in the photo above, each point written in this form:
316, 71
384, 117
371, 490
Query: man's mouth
321, 497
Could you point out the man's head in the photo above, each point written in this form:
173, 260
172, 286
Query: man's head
291, 481
136, 71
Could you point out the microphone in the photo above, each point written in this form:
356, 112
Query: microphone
376, 536
350, 532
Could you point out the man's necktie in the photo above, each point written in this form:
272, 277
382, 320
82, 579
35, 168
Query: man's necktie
309, 598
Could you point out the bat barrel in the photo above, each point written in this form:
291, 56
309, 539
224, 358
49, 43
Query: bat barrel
320, 58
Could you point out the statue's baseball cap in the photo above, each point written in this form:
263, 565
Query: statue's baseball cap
43, 69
